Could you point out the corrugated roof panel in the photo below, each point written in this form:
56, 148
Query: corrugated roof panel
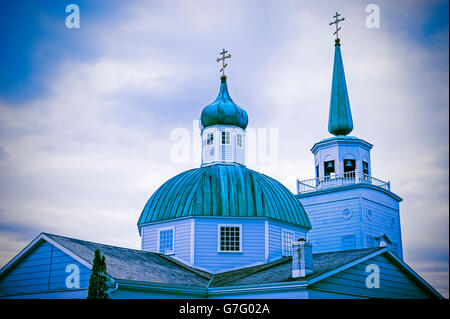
223, 190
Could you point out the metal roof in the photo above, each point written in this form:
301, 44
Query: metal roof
340, 121
222, 190
223, 110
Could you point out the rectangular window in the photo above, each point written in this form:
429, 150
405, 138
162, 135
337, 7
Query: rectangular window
348, 242
166, 241
210, 139
317, 171
287, 238
230, 238
226, 138
239, 140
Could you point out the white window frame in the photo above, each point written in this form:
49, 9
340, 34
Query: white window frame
229, 137
158, 247
207, 139
239, 138
285, 231
219, 226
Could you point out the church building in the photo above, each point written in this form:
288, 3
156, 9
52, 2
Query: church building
223, 230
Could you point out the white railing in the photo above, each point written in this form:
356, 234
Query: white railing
311, 185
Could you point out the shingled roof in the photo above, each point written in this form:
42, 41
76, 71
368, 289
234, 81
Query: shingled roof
142, 266
281, 269
136, 265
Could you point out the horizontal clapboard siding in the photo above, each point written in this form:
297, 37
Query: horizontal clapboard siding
394, 282
330, 228
384, 210
43, 270
206, 244
182, 233
328, 224
275, 241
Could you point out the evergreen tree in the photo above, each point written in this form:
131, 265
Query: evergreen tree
98, 281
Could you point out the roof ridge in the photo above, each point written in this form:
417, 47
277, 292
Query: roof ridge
194, 270
341, 251
258, 268
92, 242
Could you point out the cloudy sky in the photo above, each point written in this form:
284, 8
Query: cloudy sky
91, 117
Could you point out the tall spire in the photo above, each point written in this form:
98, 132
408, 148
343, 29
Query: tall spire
340, 121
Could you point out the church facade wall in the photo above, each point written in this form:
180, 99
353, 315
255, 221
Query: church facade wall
332, 228
43, 271
196, 241
352, 218
393, 281
381, 215
182, 238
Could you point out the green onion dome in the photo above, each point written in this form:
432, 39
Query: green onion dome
223, 110
222, 190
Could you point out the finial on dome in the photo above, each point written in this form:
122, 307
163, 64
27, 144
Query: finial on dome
223, 63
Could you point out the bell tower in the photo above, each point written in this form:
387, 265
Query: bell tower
347, 206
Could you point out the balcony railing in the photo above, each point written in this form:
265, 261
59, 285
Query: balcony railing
315, 184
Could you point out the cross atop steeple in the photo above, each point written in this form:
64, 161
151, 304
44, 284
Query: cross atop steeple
336, 21
223, 60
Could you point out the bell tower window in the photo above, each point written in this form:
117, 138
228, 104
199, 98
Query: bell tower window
317, 171
365, 167
329, 168
349, 165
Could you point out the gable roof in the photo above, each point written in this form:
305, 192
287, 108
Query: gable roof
123, 263
130, 265
281, 269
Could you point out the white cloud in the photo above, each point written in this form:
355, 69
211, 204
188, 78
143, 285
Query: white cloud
82, 160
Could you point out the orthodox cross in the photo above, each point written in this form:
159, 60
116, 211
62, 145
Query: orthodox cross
336, 21
223, 60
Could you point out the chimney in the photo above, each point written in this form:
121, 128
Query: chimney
302, 262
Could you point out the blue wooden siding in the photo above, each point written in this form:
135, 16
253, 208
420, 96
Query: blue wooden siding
206, 255
384, 210
42, 270
206, 244
130, 293
275, 229
325, 211
281, 294
182, 245
394, 282
330, 230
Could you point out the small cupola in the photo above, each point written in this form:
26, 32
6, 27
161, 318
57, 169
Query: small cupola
223, 126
